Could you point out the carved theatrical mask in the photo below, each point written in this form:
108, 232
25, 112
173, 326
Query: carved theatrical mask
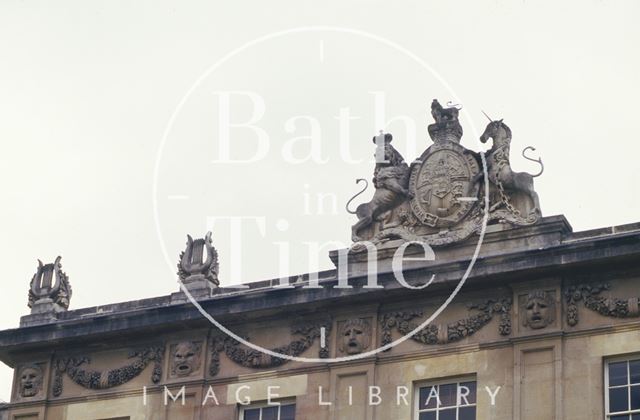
355, 336
539, 309
185, 358
30, 381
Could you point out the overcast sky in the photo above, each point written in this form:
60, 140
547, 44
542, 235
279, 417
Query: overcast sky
111, 116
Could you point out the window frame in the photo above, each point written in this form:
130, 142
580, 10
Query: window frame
437, 382
265, 404
607, 361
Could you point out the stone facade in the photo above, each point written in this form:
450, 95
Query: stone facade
540, 321
544, 327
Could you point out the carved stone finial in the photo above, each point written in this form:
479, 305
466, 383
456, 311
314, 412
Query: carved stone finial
446, 126
50, 290
197, 271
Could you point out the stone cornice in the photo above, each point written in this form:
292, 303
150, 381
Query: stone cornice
562, 253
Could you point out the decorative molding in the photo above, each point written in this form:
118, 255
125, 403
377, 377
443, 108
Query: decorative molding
92, 379
258, 360
404, 323
605, 306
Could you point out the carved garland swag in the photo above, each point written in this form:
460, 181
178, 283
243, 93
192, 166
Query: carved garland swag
605, 306
404, 323
257, 360
92, 379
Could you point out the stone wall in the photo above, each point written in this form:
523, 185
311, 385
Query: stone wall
543, 341
534, 326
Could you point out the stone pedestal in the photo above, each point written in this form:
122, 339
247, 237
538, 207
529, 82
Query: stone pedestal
198, 286
499, 239
43, 311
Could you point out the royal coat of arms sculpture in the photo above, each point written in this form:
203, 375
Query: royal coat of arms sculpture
439, 198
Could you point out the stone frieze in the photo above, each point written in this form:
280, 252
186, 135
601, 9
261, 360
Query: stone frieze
239, 354
589, 295
74, 367
405, 321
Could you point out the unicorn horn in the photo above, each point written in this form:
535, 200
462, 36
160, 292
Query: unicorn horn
485, 114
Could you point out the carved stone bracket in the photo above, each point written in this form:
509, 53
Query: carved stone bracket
404, 323
92, 379
606, 306
258, 360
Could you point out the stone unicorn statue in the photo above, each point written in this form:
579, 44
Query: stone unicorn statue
499, 168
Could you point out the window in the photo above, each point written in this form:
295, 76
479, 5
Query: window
284, 411
446, 400
622, 384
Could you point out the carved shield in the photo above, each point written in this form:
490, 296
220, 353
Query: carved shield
442, 183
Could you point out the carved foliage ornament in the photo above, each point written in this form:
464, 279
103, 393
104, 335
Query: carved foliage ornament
606, 306
50, 282
92, 379
254, 359
404, 323
446, 127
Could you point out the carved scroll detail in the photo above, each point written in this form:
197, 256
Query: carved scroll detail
605, 306
92, 379
404, 323
257, 360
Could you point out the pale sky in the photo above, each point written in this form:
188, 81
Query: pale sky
88, 89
